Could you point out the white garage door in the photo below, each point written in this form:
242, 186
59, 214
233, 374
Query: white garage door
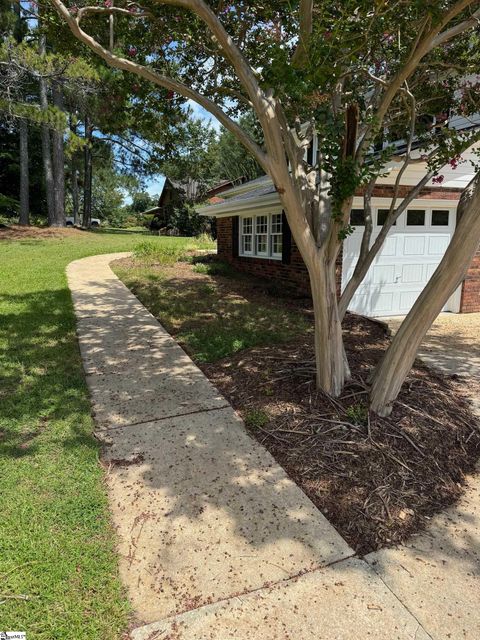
409, 256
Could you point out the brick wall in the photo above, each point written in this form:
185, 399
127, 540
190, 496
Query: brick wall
470, 301
439, 193
294, 274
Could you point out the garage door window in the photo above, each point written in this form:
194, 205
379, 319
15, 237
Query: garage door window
357, 218
440, 218
415, 218
382, 216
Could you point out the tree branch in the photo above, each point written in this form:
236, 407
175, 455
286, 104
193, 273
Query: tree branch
163, 81
230, 50
421, 47
306, 24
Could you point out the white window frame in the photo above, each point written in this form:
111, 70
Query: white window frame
268, 254
266, 233
251, 235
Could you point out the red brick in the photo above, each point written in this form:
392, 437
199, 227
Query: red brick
295, 274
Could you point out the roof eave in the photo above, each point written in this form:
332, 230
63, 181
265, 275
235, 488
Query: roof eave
238, 207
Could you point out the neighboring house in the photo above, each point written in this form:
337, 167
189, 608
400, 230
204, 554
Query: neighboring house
174, 195
177, 193
253, 235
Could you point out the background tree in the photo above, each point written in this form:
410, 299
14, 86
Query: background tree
355, 73
233, 161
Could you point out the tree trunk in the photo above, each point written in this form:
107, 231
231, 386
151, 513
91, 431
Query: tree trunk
74, 189
46, 146
87, 184
74, 178
390, 374
58, 164
330, 359
24, 218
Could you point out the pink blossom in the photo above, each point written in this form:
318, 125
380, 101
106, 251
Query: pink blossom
438, 179
132, 51
74, 10
108, 3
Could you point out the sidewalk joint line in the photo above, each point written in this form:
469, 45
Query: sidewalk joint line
169, 417
266, 587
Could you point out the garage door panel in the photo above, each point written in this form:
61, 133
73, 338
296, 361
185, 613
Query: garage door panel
407, 299
414, 245
389, 247
437, 245
383, 274
413, 273
402, 268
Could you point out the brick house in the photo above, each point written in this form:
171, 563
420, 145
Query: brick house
253, 235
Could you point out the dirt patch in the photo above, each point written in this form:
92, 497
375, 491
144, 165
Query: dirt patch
17, 232
377, 480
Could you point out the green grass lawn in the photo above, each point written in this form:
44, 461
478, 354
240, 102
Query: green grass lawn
58, 570
213, 312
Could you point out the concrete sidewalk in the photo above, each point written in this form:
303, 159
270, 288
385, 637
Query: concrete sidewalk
214, 540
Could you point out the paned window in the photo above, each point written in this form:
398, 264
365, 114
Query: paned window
261, 236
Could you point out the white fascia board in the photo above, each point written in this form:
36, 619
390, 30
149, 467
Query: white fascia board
268, 203
419, 203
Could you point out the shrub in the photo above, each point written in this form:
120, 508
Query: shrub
213, 268
161, 253
358, 414
255, 418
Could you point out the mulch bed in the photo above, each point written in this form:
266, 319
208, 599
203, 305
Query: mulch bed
378, 480
18, 232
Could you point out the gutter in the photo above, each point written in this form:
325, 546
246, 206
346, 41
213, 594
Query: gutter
268, 201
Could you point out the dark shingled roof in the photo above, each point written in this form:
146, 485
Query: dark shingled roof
254, 193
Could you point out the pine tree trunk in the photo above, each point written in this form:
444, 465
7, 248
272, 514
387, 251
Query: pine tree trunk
74, 179
46, 146
24, 218
330, 359
74, 189
58, 164
87, 185
400, 355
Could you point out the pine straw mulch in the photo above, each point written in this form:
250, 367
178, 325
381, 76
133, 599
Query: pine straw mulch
378, 480
18, 232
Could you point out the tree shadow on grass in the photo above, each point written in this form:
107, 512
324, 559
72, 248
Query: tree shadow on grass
41, 379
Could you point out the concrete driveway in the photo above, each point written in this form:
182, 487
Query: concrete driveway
452, 344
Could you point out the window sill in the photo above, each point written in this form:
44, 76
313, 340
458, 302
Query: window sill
251, 255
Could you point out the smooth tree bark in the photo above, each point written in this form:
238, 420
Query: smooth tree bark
316, 218
24, 218
390, 374
88, 174
58, 163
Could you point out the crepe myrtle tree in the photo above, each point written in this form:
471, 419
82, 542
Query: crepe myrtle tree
358, 74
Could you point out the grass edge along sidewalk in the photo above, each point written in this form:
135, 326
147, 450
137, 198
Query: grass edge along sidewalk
58, 567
